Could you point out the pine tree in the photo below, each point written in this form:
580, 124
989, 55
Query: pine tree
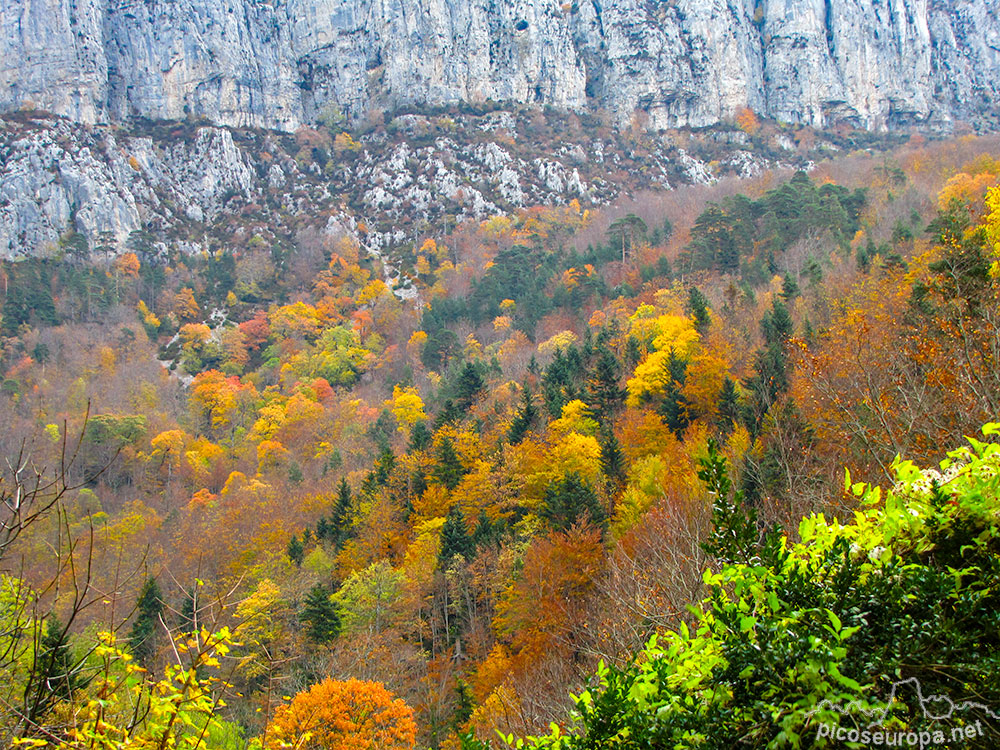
674, 406
729, 405
15, 308
420, 437
448, 469
188, 612
789, 288
770, 379
295, 550
448, 414
632, 352
525, 418
40, 300
322, 529
149, 609
381, 432
568, 500
321, 614
663, 267
697, 305
485, 531
383, 466
626, 233
455, 539
606, 393
612, 458
556, 380
736, 534
53, 677
469, 386
776, 325
74, 244
339, 519
865, 254
771, 376
729, 254
813, 271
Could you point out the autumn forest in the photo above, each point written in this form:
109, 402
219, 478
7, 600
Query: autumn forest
572, 475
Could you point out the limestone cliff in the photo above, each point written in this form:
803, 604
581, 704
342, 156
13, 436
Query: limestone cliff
877, 64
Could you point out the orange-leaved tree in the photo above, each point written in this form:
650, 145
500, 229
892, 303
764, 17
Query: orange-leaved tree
344, 715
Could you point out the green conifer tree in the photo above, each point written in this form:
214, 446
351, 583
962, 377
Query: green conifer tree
340, 518
448, 470
469, 386
295, 550
729, 405
149, 609
53, 675
420, 437
455, 539
606, 393
697, 306
525, 418
612, 457
569, 500
321, 615
789, 288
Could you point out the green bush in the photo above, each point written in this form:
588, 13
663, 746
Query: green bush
796, 635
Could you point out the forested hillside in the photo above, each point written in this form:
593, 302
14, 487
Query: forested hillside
258, 498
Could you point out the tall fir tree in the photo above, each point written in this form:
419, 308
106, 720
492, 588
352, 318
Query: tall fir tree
148, 610
673, 407
323, 529
448, 469
606, 393
771, 376
729, 405
340, 518
43, 307
295, 550
448, 414
697, 306
188, 612
569, 500
632, 352
420, 437
455, 539
776, 324
469, 386
612, 458
321, 615
525, 418
54, 676
789, 288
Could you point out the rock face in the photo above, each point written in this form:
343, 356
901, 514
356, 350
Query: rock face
877, 64
197, 187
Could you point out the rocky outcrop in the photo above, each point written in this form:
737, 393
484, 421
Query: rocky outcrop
282, 63
62, 178
198, 188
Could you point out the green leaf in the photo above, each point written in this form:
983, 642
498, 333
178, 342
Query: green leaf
834, 620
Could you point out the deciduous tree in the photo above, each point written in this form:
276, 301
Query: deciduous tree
344, 715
